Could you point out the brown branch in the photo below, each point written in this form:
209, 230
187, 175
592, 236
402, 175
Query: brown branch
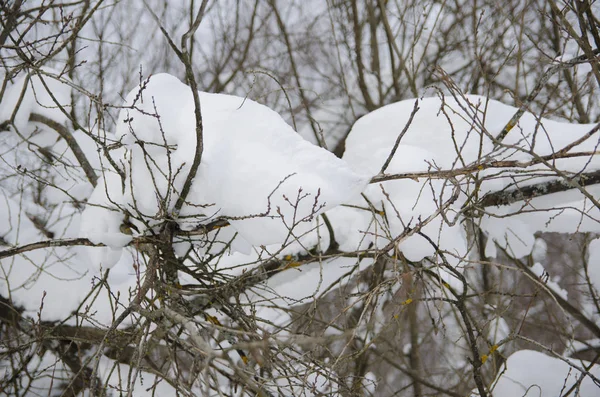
391, 39
305, 103
588, 57
506, 197
417, 377
186, 59
9, 22
473, 168
136, 241
472, 332
360, 67
71, 142
563, 303
397, 143
47, 244
187, 37
191, 80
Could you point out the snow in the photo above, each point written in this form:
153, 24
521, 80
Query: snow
271, 185
451, 133
46, 373
370, 383
44, 95
310, 280
54, 283
576, 346
498, 329
249, 152
543, 275
15, 226
258, 173
256, 170
430, 137
540, 250
531, 373
100, 223
564, 212
298, 285
252, 170
512, 234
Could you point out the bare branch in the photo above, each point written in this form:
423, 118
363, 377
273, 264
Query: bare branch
509, 196
71, 142
397, 143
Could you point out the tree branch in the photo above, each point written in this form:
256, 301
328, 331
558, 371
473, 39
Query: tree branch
506, 197
538, 87
204, 229
71, 142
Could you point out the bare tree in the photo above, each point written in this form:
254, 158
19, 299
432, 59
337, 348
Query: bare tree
451, 260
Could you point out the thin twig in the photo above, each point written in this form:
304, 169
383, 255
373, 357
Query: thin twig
71, 142
536, 90
397, 143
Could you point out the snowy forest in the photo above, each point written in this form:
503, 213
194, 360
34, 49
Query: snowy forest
300, 198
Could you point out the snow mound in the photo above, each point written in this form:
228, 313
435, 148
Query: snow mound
256, 171
454, 133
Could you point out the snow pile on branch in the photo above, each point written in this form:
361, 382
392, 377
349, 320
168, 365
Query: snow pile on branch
256, 171
445, 164
448, 159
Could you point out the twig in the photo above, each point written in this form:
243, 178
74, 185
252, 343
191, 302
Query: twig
506, 197
536, 90
136, 241
397, 143
71, 142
